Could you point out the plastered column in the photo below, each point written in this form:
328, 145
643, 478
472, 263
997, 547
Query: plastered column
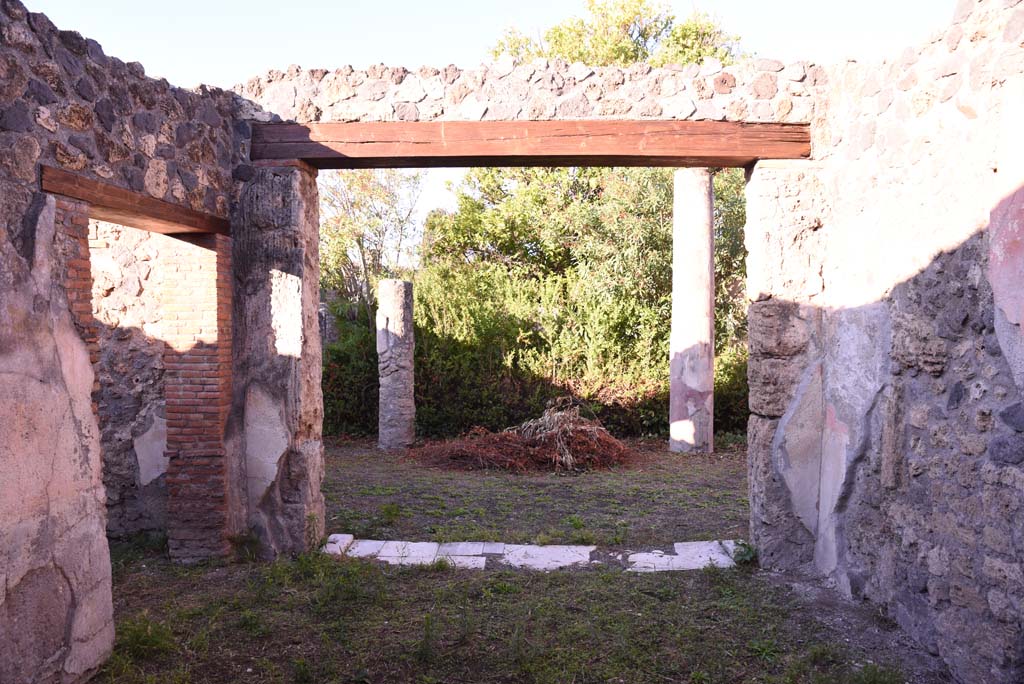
277, 412
396, 346
691, 344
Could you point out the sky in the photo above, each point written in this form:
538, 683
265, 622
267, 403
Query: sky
225, 42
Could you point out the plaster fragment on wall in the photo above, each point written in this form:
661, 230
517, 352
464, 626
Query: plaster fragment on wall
266, 438
286, 313
151, 450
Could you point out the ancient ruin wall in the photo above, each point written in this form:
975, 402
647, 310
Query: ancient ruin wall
126, 299
886, 369
63, 102
759, 90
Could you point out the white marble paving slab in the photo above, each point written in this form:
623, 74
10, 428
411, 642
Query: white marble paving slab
688, 556
364, 548
467, 562
473, 555
549, 557
338, 543
704, 553
423, 551
461, 549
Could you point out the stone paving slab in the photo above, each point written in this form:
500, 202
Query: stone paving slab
461, 549
408, 553
467, 562
549, 557
474, 555
705, 553
688, 556
337, 544
364, 548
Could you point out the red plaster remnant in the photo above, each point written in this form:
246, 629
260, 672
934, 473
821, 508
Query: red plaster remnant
832, 423
1006, 256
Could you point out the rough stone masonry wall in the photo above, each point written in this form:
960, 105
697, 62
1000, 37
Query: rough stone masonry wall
126, 286
65, 103
755, 90
887, 371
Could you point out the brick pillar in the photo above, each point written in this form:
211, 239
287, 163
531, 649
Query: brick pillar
692, 341
196, 328
71, 223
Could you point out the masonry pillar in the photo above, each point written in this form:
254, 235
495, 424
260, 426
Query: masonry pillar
196, 328
692, 340
396, 346
277, 413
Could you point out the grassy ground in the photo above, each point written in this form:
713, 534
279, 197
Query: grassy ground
659, 500
320, 619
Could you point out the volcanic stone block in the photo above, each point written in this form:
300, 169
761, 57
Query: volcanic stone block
396, 345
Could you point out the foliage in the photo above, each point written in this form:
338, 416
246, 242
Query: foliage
367, 229
547, 282
349, 380
731, 389
543, 282
141, 637
624, 32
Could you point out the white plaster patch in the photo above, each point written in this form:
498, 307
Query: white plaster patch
266, 439
286, 313
546, 557
151, 451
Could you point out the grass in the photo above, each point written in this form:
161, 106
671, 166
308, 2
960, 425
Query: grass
318, 619
339, 621
662, 499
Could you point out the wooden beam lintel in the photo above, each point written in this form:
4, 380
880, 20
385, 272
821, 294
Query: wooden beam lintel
531, 143
109, 202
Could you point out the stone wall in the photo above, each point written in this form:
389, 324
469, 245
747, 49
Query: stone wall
755, 90
886, 367
64, 103
126, 302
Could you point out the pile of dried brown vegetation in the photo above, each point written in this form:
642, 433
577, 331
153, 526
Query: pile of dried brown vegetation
562, 440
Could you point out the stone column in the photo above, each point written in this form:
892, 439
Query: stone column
692, 341
277, 411
396, 345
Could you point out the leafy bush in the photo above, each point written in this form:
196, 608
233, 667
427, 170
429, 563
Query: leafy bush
731, 390
546, 283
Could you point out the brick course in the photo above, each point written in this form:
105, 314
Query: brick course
197, 357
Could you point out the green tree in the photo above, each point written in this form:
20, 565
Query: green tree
546, 280
367, 229
624, 32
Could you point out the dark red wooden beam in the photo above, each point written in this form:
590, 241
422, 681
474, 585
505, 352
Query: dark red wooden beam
110, 203
530, 143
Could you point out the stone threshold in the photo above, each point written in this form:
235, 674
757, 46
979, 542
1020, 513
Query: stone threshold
480, 555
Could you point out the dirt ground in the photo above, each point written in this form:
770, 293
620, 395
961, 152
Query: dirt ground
320, 619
